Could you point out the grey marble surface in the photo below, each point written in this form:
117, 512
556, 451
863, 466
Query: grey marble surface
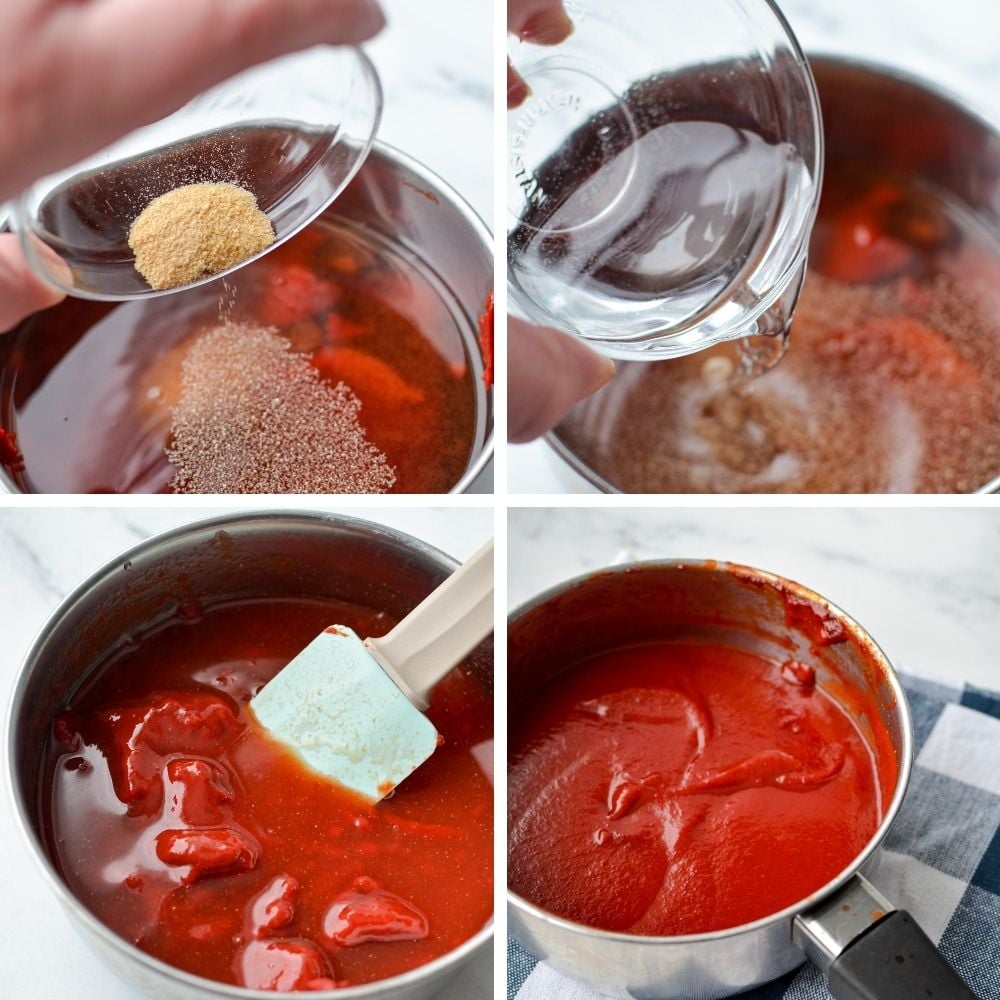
954, 45
925, 583
46, 553
435, 60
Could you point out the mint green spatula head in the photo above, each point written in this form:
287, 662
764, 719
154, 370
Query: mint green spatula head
346, 718
353, 710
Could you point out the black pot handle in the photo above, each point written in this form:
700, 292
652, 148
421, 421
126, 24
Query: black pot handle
894, 960
871, 951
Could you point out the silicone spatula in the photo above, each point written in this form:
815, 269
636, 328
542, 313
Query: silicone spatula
353, 709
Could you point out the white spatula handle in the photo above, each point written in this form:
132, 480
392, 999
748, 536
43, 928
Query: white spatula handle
441, 630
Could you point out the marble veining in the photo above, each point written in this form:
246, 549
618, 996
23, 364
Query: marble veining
435, 61
955, 45
46, 554
924, 582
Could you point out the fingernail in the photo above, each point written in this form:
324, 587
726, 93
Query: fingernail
58, 271
548, 27
517, 90
369, 20
603, 374
584, 370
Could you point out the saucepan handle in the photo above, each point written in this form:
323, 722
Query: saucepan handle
871, 951
894, 960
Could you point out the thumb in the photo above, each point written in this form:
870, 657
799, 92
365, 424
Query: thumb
544, 22
548, 372
22, 292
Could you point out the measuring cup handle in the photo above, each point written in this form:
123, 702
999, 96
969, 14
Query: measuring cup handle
894, 960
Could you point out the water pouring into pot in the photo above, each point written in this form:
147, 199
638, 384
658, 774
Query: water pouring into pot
663, 176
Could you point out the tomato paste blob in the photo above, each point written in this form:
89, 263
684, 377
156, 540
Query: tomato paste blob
684, 787
193, 835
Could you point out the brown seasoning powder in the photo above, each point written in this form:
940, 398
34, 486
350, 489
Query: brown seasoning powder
195, 231
255, 417
891, 389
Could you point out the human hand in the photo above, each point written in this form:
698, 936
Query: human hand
547, 373
75, 76
543, 22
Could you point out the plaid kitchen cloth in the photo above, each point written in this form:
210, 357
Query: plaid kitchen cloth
941, 859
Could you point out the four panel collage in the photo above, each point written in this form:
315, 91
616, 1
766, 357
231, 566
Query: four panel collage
390, 611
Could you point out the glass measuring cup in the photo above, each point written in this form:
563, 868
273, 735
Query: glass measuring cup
293, 131
663, 177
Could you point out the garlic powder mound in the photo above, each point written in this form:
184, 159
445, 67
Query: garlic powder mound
195, 231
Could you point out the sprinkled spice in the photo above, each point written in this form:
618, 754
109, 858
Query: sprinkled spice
890, 389
255, 417
195, 231
891, 383
97, 385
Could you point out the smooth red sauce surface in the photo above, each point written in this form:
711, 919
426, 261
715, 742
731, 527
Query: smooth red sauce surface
678, 788
191, 834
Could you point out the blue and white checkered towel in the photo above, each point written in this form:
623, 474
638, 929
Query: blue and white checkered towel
941, 860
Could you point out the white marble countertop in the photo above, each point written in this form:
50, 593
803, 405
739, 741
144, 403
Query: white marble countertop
46, 553
435, 60
954, 45
925, 583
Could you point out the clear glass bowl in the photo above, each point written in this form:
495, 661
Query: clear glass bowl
293, 131
663, 175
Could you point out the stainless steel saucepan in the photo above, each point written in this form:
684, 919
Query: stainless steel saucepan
868, 949
408, 207
232, 557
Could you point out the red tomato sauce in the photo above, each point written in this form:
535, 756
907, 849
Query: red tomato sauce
89, 388
190, 833
486, 340
682, 787
10, 454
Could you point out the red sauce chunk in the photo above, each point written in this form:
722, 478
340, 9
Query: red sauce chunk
486, 340
680, 787
10, 454
192, 834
